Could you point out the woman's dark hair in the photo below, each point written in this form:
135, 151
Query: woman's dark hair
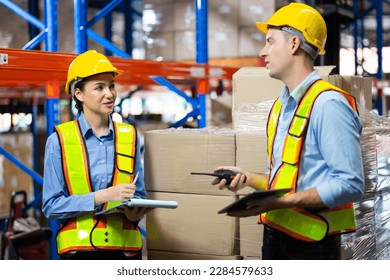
80, 85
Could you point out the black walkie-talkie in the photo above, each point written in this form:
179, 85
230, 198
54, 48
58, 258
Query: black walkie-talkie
228, 175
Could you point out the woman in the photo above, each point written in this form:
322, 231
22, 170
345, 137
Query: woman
91, 164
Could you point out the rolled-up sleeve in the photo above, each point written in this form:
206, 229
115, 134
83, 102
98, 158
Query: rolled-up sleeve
338, 131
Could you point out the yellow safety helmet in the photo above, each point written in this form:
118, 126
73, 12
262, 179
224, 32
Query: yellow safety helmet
302, 18
88, 64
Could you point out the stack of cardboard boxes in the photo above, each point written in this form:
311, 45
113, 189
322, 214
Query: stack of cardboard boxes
194, 230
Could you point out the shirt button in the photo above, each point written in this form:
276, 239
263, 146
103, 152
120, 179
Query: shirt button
102, 161
101, 143
103, 180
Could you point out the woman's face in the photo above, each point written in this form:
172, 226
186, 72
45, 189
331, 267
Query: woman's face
99, 94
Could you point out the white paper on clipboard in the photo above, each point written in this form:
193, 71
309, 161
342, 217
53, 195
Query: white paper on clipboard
137, 202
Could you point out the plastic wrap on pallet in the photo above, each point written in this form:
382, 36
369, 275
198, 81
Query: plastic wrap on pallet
367, 141
251, 116
206, 130
382, 195
372, 236
382, 221
361, 244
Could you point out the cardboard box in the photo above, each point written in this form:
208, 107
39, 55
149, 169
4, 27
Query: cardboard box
184, 17
359, 87
254, 85
224, 41
194, 226
251, 154
250, 41
166, 255
184, 45
252, 117
221, 110
162, 10
222, 13
252, 11
172, 154
160, 44
251, 237
254, 92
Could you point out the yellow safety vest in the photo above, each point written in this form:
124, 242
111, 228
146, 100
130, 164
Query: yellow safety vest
298, 222
105, 232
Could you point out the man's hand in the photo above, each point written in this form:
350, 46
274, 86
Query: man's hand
239, 181
256, 207
305, 199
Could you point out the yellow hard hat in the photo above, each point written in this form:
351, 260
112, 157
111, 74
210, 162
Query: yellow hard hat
88, 64
302, 18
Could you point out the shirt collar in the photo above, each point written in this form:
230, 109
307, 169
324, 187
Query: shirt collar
300, 90
86, 129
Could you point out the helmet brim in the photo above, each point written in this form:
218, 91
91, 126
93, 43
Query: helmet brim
262, 26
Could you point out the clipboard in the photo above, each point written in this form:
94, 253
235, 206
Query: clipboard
240, 204
137, 202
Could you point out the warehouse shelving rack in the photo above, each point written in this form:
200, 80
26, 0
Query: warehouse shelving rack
28, 69
361, 10
36, 70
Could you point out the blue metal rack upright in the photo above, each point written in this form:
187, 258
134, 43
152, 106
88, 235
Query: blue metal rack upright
83, 31
48, 34
361, 12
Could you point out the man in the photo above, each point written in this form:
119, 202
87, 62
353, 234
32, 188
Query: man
313, 136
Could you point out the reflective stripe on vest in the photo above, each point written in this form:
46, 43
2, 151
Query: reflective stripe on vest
108, 232
300, 223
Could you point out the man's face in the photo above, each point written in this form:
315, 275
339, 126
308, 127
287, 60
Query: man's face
276, 53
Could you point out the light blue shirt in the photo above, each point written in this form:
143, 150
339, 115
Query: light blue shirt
331, 159
56, 201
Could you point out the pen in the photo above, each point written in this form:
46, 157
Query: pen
136, 178
134, 181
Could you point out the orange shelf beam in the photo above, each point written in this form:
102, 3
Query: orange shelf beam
33, 69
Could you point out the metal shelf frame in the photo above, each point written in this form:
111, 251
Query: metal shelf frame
48, 33
359, 30
376, 7
28, 69
48, 27
83, 31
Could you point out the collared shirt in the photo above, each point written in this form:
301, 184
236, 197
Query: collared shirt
331, 159
57, 203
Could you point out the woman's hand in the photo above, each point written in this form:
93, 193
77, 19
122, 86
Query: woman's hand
121, 192
136, 213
